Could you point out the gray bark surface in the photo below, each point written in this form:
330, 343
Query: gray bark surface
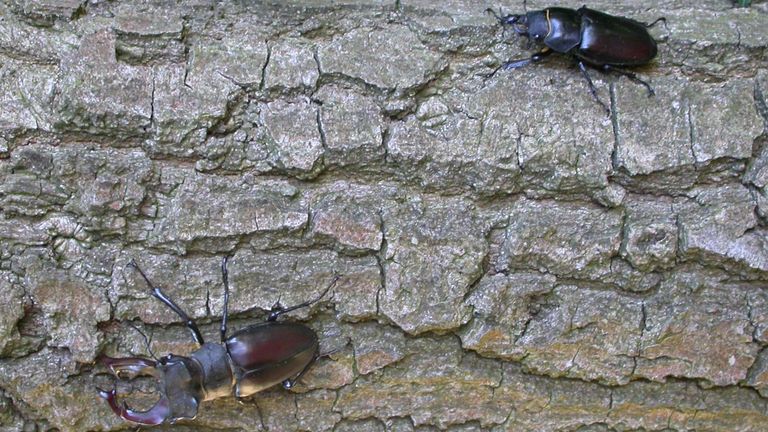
511, 259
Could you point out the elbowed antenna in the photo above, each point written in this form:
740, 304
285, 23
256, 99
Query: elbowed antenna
510, 19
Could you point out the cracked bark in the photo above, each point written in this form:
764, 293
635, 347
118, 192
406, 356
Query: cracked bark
78, 199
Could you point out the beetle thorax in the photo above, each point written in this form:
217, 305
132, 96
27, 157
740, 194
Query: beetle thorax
215, 366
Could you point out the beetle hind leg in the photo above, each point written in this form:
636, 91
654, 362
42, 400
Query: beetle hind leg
631, 76
663, 19
290, 382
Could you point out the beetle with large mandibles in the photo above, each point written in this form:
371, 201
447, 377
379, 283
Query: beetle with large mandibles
251, 360
593, 38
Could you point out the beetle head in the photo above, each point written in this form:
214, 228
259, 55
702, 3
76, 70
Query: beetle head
537, 25
516, 21
526, 24
179, 383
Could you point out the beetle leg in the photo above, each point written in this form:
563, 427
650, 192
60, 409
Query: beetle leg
279, 309
160, 295
290, 382
517, 64
664, 19
631, 76
225, 313
592, 87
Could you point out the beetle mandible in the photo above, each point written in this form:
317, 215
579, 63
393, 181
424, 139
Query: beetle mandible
250, 360
593, 38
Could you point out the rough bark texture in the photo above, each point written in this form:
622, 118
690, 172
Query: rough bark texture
511, 258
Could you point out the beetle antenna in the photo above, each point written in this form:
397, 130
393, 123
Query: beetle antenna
147, 340
500, 18
495, 15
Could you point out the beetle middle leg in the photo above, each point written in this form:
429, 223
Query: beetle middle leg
278, 309
592, 87
631, 76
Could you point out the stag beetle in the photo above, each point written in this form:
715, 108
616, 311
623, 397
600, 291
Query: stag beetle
252, 359
593, 38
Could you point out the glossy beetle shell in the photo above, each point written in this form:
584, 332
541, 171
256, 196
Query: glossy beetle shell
266, 354
613, 40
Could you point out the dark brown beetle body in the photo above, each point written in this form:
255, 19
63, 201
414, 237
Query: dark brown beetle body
250, 360
598, 39
267, 354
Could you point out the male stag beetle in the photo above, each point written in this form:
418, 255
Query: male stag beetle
252, 359
593, 38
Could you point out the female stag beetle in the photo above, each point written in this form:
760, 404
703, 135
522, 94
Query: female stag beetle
593, 38
252, 359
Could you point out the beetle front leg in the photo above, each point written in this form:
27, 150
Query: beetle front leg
592, 88
516, 64
160, 295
